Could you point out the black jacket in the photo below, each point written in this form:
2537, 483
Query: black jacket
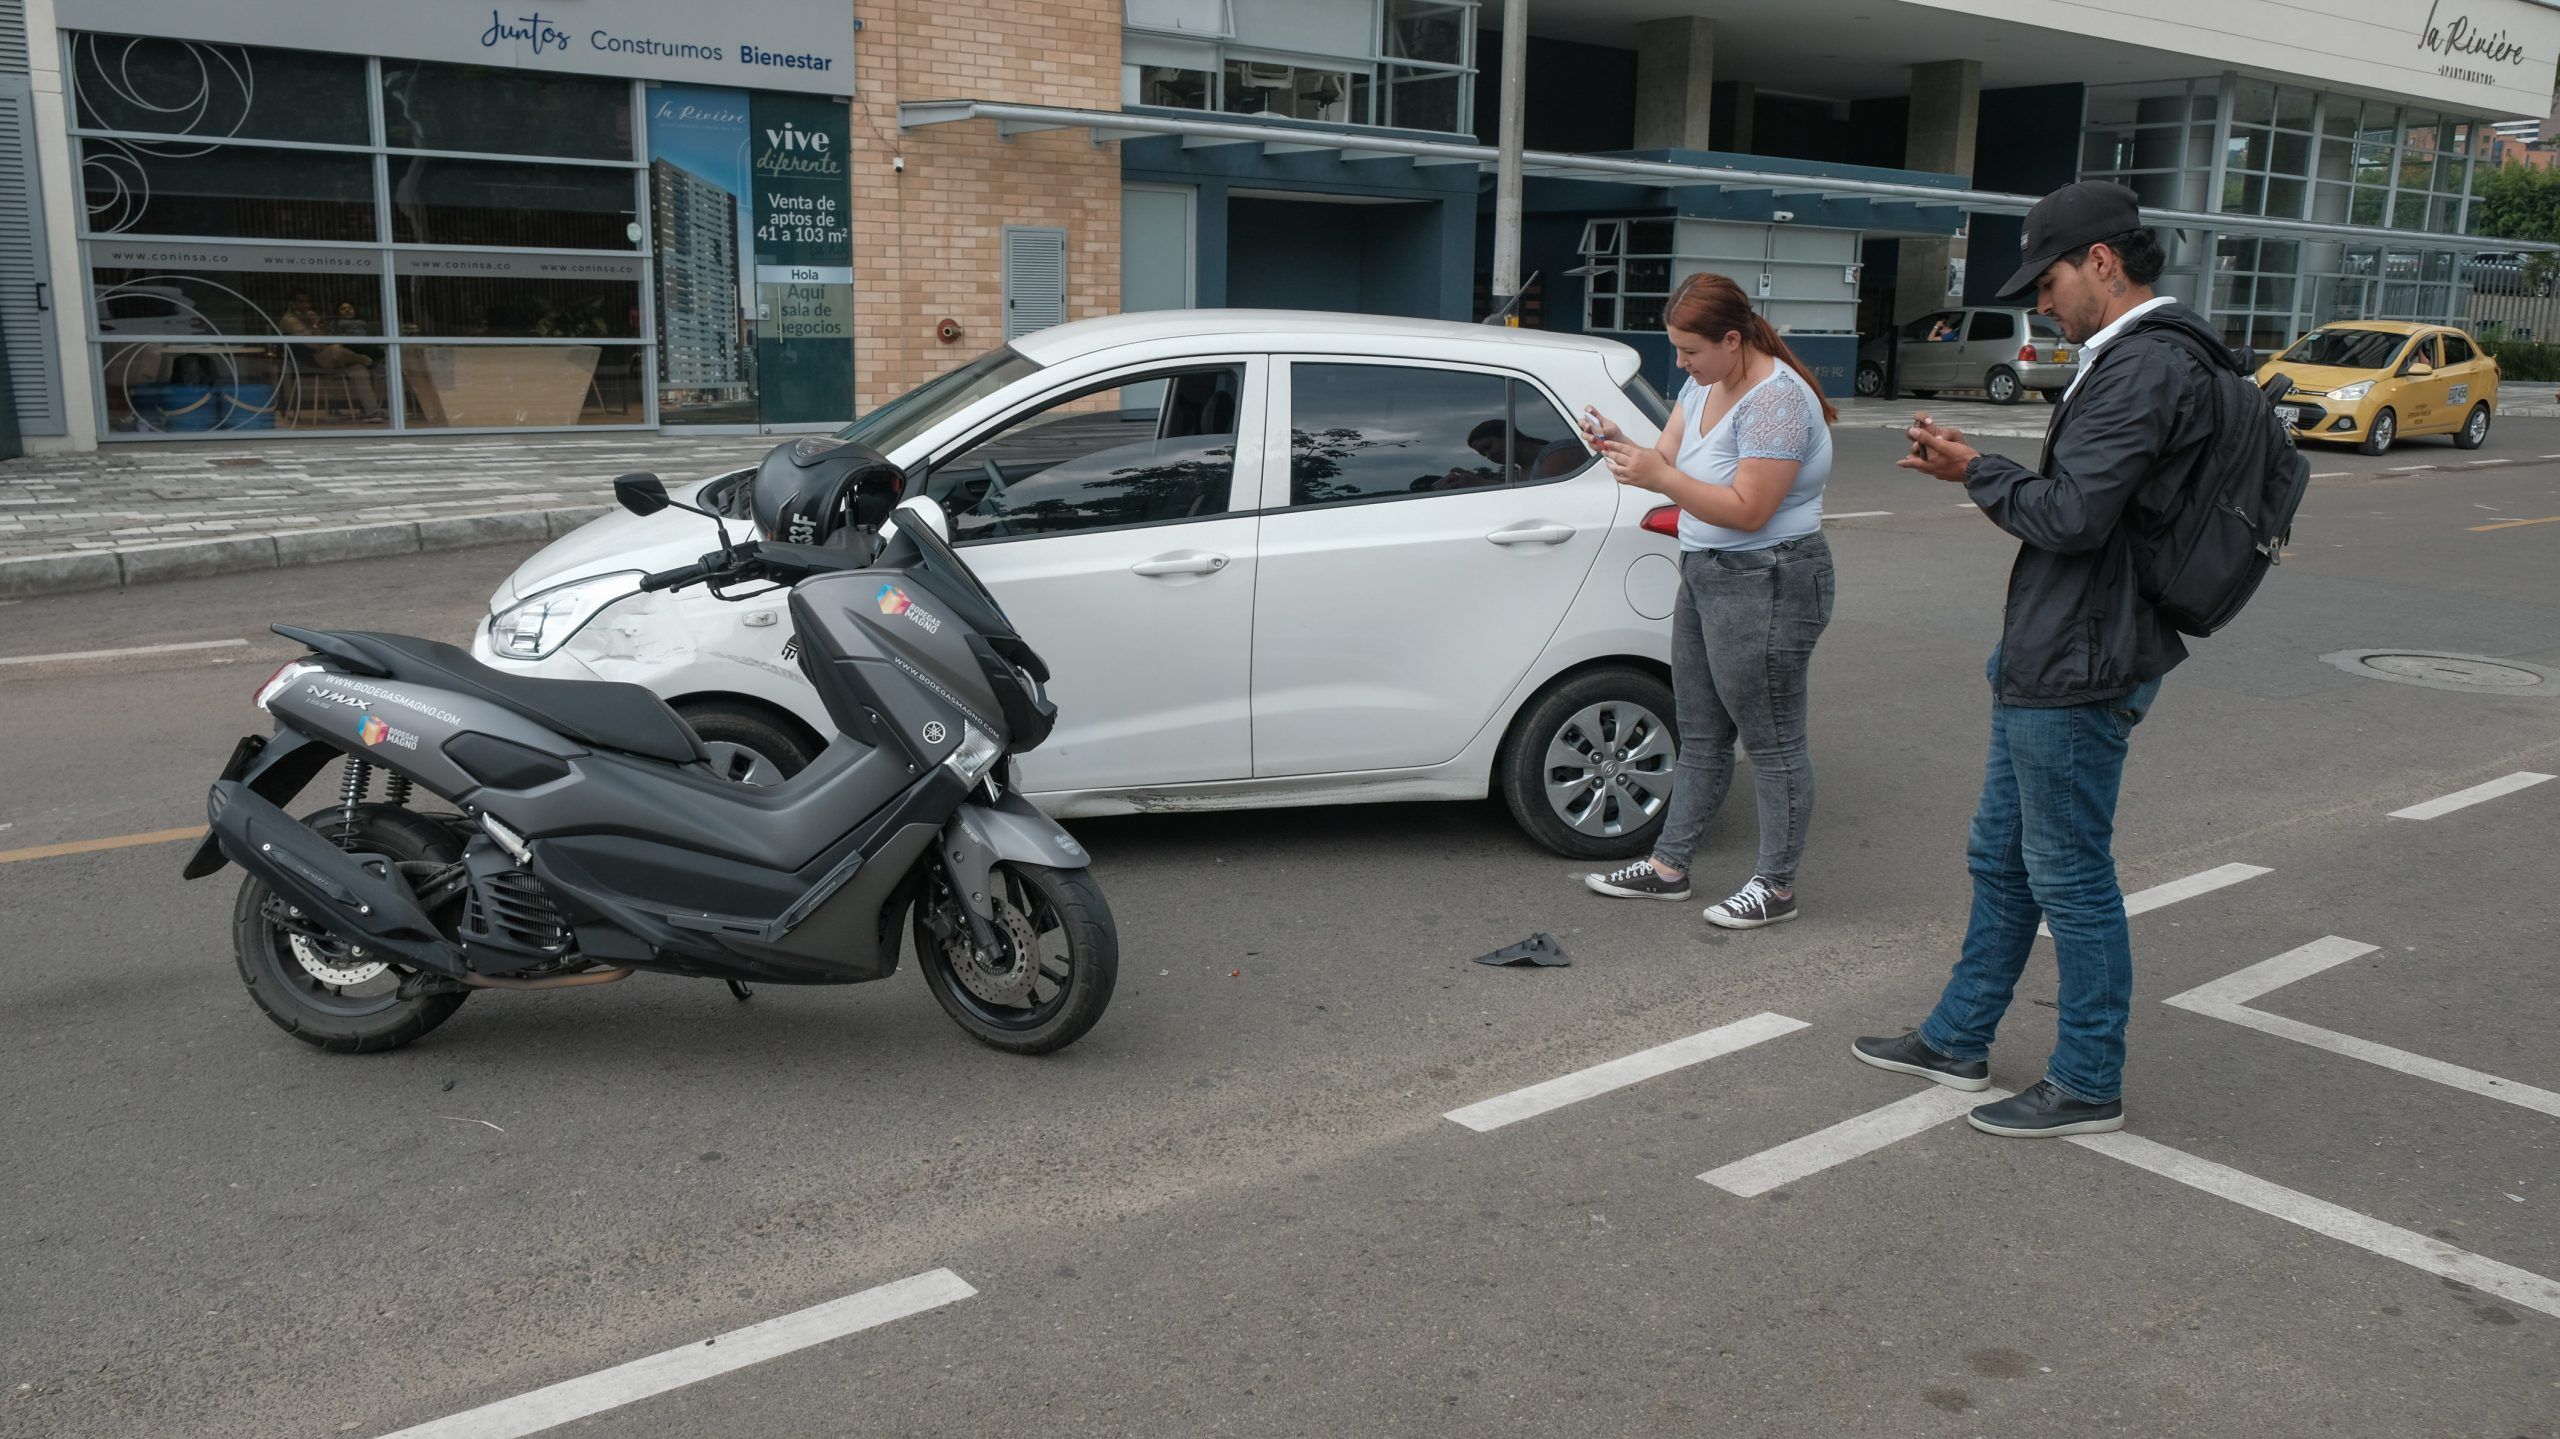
2117, 454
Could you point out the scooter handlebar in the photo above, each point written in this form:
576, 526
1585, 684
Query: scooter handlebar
679, 576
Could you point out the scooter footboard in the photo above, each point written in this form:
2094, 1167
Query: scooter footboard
360, 898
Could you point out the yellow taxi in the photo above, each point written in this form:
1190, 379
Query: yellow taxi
2370, 383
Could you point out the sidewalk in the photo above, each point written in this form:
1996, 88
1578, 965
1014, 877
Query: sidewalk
131, 514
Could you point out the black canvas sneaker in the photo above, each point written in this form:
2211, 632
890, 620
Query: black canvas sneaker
1758, 904
2044, 1112
1636, 881
1910, 1054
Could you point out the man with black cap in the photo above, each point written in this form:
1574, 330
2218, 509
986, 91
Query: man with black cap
2080, 658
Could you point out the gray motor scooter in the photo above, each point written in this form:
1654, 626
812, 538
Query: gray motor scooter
585, 836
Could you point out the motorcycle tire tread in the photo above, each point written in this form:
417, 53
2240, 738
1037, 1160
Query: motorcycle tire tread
1087, 917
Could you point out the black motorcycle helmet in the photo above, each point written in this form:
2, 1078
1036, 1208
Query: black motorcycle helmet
820, 490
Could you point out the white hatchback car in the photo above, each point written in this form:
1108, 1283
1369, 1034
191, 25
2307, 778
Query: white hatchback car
1271, 558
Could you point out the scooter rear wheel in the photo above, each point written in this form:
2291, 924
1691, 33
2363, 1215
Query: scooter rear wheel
1060, 959
312, 986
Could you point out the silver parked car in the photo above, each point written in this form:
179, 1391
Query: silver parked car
2002, 352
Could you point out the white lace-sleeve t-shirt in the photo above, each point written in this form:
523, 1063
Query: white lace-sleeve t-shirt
1778, 419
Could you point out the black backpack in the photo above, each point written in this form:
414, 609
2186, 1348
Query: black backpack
2232, 522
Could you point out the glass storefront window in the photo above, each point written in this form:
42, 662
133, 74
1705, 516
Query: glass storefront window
523, 386
481, 110
215, 385
282, 298
219, 92
182, 188
493, 202
519, 308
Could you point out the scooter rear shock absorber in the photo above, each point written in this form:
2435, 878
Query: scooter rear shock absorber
395, 789
359, 777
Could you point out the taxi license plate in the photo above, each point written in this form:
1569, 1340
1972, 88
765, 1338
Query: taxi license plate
2062, 357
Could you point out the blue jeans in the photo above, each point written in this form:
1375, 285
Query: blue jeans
2042, 850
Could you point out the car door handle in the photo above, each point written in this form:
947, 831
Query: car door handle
1532, 534
1183, 564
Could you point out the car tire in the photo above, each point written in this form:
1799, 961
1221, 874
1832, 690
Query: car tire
746, 742
1599, 811
2002, 386
2378, 436
2475, 428
1870, 379
2051, 397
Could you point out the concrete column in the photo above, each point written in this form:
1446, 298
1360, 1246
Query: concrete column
1675, 81
1946, 105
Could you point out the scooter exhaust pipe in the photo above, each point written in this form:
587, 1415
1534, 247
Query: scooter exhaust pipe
556, 981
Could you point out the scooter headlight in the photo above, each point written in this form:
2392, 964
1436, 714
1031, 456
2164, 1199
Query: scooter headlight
544, 622
977, 752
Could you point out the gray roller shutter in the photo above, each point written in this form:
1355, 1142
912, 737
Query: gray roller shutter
1035, 279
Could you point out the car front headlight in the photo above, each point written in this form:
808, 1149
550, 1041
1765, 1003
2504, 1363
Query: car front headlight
2352, 393
544, 622
977, 750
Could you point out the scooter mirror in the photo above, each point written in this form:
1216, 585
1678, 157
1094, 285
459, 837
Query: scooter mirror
641, 494
926, 512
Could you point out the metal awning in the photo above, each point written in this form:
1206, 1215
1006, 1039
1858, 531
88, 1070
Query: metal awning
1790, 190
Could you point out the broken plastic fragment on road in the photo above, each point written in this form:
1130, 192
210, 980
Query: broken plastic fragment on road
1539, 949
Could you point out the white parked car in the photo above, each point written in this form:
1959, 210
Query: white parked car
1271, 558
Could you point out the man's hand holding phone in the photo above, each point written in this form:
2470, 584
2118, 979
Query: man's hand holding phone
1937, 451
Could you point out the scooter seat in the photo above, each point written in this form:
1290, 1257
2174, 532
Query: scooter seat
603, 713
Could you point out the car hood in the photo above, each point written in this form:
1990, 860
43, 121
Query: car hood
2316, 378
618, 540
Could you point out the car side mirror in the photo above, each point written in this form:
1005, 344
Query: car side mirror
926, 512
2420, 367
641, 494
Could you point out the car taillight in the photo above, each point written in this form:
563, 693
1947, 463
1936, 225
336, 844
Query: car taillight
1663, 520
2026, 354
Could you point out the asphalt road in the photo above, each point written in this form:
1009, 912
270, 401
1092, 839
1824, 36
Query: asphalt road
1237, 1208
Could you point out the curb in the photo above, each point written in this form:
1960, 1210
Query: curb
28, 576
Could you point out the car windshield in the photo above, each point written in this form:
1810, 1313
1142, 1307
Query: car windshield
2347, 349
929, 404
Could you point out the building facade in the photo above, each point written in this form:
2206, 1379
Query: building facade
369, 217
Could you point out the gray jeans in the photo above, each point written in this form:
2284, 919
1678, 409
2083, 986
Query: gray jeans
1740, 644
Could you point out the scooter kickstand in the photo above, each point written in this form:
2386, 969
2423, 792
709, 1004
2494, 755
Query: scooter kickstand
740, 990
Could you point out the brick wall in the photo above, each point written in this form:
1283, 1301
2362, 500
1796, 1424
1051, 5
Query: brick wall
928, 243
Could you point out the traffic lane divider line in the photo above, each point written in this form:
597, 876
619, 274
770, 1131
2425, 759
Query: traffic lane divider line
1847, 1140
93, 846
605, 1389
2160, 896
2515, 524
2227, 999
2433, 1256
1582, 1084
2465, 798
133, 652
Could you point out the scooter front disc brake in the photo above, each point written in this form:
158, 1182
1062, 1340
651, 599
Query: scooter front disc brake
1004, 978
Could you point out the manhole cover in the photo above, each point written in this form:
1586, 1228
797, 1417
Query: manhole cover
2464, 674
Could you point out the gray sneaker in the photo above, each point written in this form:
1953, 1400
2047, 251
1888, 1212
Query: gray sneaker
1758, 904
1636, 881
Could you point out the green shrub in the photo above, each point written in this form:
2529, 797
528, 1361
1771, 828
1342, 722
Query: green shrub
2524, 359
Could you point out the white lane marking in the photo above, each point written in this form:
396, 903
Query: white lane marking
2409, 469
2333, 475
2161, 895
2476, 464
2465, 798
2228, 999
1846, 1140
121, 654
2521, 1286
641, 1378
1862, 515
1582, 1084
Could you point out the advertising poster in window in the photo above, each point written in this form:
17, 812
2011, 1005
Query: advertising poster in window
803, 242
701, 209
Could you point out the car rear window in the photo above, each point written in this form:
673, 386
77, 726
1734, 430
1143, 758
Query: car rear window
2044, 327
1648, 401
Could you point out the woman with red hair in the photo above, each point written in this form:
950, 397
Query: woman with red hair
1745, 458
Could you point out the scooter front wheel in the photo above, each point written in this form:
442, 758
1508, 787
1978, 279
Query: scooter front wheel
1057, 958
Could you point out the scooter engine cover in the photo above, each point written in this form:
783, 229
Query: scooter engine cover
811, 490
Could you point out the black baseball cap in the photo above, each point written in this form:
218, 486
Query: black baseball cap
2075, 215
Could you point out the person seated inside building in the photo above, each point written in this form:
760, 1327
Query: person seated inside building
302, 318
